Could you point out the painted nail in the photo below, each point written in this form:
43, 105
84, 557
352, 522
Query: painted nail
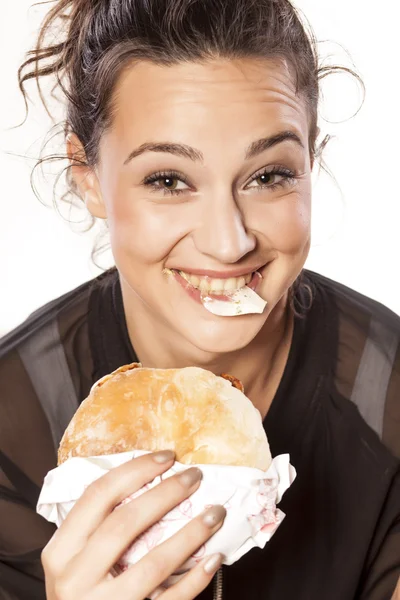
191, 476
214, 515
164, 456
160, 590
213, 563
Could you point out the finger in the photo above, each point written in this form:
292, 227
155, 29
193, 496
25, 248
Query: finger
157, 593
98, 500
152, 570
192, 584
125, 524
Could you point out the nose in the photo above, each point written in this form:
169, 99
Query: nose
221, 232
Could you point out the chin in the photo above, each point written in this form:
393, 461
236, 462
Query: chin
226, 334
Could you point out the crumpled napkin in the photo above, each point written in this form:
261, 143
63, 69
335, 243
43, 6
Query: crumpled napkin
249, 495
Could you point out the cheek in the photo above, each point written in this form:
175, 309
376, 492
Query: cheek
141, 230
286, 223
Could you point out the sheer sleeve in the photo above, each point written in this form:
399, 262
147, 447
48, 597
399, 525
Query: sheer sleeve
391, 417
45, 371
26, 454
368, 363
368, 374
382, 569
23, 534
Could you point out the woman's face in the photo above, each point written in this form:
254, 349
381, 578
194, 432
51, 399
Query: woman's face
213, 199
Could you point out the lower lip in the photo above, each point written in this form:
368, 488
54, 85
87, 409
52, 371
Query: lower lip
195, 293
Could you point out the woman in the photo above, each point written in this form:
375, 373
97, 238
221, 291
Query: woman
191, 128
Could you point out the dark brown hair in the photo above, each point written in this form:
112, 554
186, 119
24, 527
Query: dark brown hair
93, 41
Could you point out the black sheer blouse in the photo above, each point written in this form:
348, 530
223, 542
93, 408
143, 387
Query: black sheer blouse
336, 411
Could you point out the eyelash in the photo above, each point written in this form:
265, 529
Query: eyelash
289, 178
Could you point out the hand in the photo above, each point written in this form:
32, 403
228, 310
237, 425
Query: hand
79, 556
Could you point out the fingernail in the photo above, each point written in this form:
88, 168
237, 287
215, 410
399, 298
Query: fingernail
160, 590
213, 563
164, 456
212, 516
191, 476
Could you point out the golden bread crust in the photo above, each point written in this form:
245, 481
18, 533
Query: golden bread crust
199, 415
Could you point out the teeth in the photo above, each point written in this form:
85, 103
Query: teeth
216, 286
204, 287
195, 281
230, 284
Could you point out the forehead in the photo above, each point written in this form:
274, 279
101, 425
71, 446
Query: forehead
215, 96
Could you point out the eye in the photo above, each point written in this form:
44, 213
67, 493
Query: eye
175, 183
168, 182
273, 178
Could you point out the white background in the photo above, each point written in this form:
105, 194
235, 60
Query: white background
355, 228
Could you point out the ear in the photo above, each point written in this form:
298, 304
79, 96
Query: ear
85, 178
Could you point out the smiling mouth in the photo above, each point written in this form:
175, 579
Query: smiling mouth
218, 287
208, 285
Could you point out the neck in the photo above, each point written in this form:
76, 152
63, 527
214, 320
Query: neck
259, 365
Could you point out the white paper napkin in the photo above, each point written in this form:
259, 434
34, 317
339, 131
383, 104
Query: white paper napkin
249, 495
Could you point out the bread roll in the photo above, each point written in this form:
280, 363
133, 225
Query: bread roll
204, 418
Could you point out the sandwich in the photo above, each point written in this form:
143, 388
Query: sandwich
202, 417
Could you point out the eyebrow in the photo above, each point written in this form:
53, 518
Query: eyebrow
185, 151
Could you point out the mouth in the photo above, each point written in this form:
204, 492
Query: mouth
220, 289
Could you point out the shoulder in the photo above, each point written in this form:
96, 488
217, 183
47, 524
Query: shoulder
45, 372
43, 364
353, 303
47, 316
367, 359
62, 316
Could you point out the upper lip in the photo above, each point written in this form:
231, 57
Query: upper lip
239, 272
